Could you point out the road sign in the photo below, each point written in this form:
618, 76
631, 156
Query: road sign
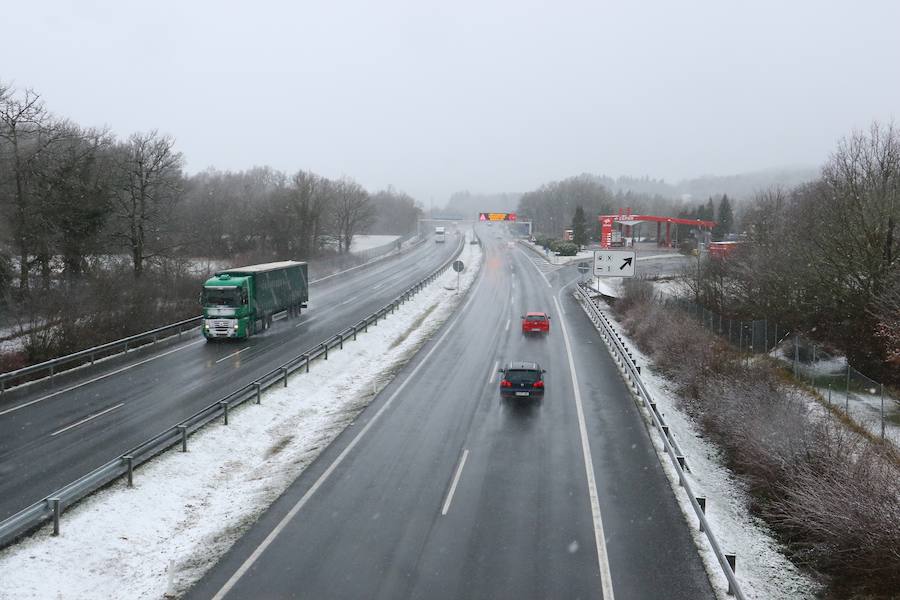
614, 263
458, 266
583, 267
496, 216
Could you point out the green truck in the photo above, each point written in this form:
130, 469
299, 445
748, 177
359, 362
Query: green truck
240, 302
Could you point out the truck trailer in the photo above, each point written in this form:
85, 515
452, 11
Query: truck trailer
440, 235
240, 302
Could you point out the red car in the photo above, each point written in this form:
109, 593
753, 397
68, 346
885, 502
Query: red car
536, 322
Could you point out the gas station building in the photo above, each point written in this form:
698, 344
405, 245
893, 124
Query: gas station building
628, 221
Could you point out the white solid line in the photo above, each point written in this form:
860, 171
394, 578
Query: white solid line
232, 354
507, 325
247, 564
95, 379
86, 419
494, 371
599, 537
533, 264
452, 491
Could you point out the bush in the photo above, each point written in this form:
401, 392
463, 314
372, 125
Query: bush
831, 495
544, 241
566, 249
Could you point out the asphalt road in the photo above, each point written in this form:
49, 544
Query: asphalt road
49, 438
440, 490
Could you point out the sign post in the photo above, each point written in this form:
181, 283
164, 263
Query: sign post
614, 263
458, 266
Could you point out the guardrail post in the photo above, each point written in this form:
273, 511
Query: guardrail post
126, 347
341, 338
129, 463
375, 322
366, 325
354, 333
325, 345
258, 387
702, 502
393, 305
732, 562
681, 462
638, 369
284, 374
54, 506
224, 406
665, 430
182, 429
51, 372
306, 360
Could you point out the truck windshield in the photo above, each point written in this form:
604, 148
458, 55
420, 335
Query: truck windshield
221, 297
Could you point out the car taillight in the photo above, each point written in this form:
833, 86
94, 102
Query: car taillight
538, 384
505, 383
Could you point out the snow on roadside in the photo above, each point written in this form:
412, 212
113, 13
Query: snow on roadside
362, 242
186, 510
763, 572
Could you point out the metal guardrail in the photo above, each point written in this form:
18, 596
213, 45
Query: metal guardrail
51, 507
101, 351
633, 373
89, 355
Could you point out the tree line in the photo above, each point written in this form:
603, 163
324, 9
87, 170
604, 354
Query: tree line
96, 231
822, 257
69, 193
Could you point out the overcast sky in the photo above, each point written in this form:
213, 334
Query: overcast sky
485, 96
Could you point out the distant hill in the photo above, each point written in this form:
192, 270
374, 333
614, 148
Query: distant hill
740, 186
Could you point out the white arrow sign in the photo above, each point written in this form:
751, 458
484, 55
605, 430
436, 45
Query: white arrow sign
614, 263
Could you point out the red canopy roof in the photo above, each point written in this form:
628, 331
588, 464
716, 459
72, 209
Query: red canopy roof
636, 219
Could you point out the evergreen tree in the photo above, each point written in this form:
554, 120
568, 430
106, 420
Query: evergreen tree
725, 221
579, 227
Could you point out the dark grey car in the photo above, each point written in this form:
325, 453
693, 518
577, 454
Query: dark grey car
522, 380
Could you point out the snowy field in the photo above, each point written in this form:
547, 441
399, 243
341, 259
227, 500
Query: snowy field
361, 243
763, 572
187, 509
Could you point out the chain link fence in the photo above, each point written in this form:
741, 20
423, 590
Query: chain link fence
867, 402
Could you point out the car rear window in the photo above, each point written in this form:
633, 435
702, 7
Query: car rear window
520, 376
535, 317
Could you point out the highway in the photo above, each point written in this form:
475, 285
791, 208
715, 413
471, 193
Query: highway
50, 437
440, 490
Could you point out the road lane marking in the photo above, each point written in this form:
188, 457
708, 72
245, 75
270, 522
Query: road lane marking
494, 371
86, 419
533, 264
349, 300
95, 379
247, 564
507, 325
313, 318
599, 537
452, 491
233, 354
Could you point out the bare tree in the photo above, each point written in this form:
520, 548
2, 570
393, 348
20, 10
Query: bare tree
352, 211
27, 131
149, 186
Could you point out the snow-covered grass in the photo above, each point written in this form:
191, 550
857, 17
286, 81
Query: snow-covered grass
187, 509
763, 572
362, 242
